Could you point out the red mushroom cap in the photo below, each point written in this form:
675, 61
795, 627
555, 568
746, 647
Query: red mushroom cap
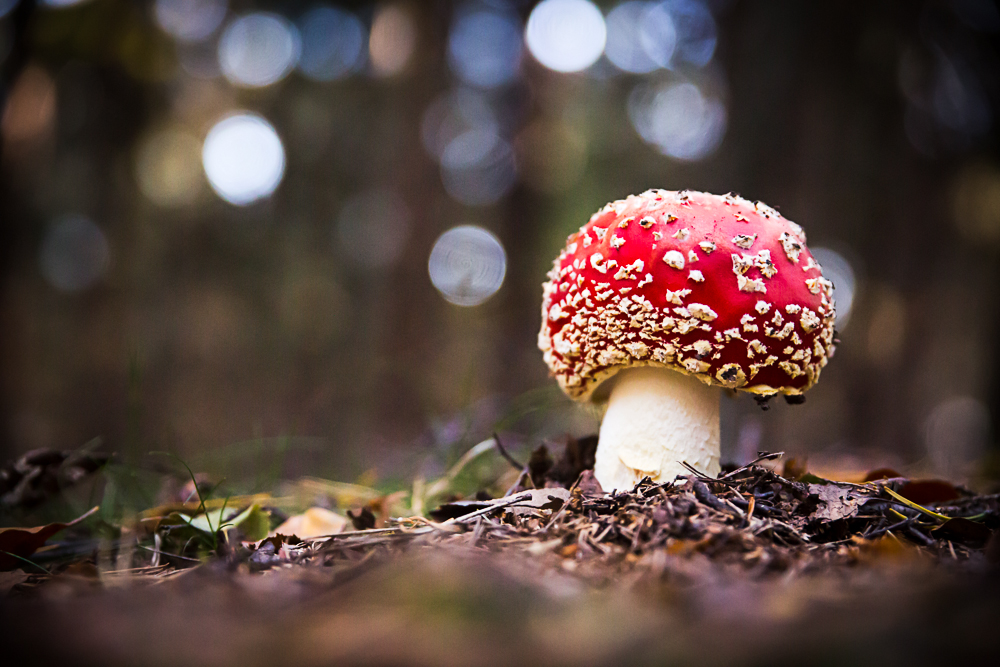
713, 286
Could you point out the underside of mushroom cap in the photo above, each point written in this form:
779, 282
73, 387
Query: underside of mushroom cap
712, 286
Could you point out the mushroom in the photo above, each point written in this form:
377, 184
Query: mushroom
663, 297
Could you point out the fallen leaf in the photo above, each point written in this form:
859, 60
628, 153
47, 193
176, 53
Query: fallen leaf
314, 522
547, 499
20, 543
963, 531
192, 507
253, 522
929, 491
589, 485
527, 502
540, 499
10, 579
837, 501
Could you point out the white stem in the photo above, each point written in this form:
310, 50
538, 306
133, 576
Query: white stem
657, 418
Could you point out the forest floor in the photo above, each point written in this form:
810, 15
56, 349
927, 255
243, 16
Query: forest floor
764, 565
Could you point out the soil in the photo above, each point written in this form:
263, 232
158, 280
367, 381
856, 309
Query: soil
757, 567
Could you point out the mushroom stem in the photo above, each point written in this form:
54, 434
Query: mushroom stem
655, 419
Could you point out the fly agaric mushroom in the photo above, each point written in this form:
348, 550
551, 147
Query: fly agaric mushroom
672, 294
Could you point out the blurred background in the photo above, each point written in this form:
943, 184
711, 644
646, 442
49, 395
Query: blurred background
321, 228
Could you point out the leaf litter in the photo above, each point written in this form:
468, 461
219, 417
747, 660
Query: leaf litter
776, 545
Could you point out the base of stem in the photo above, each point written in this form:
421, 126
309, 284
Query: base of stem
655, 419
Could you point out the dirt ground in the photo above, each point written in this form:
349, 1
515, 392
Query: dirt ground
762, 566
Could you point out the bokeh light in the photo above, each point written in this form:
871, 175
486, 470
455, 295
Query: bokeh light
373, 228
243, 158
190, 20
31, 106
625, 34
74, 254
393, 39
484, 48
566, 35
333, 43
678, 119
6, 6
478, 167
957, 98
694, 30
452, 114
645, 36
258, 49
167, 167
976, 203
467, 265
658, 35
838, 270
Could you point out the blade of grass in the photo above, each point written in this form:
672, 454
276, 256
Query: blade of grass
29, 562
912, 505
194, 480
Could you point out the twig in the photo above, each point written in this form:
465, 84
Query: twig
697, 473
504, 453
486, 510
761, 457
702, 493
170, 555
326, 539
881, 531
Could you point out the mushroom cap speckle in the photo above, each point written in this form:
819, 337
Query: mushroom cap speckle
713, 286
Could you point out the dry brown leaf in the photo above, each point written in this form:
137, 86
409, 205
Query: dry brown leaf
930, 491
838, 502
18, 543
314, 522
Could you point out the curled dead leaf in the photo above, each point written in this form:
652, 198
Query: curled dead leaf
19, 543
